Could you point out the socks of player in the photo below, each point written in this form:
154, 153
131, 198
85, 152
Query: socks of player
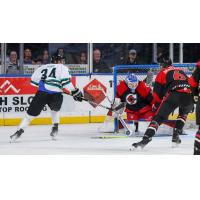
25, 122
55, 117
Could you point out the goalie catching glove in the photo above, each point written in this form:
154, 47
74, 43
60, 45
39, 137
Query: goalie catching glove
77, 94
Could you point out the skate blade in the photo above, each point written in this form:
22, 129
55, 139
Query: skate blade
132, 149
175, 145
54, 138
136, 148
12, 140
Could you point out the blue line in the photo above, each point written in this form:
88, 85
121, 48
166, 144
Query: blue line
14, 75
100, 74
28, 75
136, 66
88, 74
185, 65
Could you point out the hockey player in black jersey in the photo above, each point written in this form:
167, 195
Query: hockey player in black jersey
194, 81
171, 90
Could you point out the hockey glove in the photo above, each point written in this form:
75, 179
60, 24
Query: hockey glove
77, 94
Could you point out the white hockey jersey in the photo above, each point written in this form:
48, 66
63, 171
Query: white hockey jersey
52, 78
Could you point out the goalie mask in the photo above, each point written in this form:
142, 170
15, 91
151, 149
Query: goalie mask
132, 81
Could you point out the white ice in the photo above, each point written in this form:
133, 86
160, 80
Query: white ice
78, 139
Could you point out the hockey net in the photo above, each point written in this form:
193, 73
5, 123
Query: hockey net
141, 71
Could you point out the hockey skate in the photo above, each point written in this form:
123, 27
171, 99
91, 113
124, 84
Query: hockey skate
196, 151
175, 138
142, 143
197, 143
54, 132
16, 135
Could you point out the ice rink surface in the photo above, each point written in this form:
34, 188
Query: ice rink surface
82, 139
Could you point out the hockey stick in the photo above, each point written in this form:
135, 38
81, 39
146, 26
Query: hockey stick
110, 101
110, 137
92, 102
128, 131
100, 105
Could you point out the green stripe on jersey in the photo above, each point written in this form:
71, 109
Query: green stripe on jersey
65, 79
53, 80
34, 82
64, 84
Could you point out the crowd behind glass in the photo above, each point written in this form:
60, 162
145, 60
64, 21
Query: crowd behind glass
104, 55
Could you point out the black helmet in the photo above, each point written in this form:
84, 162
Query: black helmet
164, 60
56, 58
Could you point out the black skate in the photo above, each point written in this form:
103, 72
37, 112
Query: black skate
16, 135
196, 151
197, 144
175, 137
54, 131
142, 143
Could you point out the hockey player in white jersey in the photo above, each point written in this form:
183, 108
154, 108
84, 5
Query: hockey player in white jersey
51, 80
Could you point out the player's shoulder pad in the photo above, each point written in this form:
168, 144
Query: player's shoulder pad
141, 84
142, 88
121, 88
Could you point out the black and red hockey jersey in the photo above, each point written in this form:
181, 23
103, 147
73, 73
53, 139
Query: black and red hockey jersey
170, 79
195, 79
135, 100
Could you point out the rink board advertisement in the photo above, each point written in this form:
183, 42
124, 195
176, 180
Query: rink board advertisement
16, 93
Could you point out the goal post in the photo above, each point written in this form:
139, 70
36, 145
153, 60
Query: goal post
121, 71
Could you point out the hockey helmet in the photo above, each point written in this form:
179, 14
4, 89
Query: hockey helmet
131, 81
164, 60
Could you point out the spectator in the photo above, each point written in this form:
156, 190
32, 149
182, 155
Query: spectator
132, 57
61, 53
13, 65
45, 57
132, 60
99, 66
37, 61
27, 56
83, 58
66, 57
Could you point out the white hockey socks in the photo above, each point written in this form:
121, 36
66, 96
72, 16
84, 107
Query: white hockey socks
55, 117
25, 122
